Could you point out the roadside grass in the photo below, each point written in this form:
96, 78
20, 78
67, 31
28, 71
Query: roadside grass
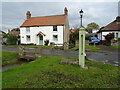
118, 47
11, 45
75, 48
29, 46
47, 72
8, 58
87, 47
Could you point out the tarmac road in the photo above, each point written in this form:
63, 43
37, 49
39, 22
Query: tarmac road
106, 57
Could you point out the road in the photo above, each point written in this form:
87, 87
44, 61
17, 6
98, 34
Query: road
106, 57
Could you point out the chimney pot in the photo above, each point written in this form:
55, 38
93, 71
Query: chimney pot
118, 18
65, 11
28, 15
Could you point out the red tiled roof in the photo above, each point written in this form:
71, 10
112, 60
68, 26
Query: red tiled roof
14, 32
115, 25
45, 21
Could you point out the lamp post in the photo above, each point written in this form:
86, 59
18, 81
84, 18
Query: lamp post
81, 43
81, 14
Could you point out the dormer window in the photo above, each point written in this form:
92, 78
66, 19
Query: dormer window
55, 28
28, 29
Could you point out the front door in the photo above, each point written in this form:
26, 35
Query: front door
40, 39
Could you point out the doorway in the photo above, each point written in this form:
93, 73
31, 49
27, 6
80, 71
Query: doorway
40, 39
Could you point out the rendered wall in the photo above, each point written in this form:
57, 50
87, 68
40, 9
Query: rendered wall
47, 30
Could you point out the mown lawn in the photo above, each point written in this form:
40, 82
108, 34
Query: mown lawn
47, 72
8, 58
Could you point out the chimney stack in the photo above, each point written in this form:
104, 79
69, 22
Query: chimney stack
118, 18
65, 11
28, 15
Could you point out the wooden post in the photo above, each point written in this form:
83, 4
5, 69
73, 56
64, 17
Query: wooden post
65, 46
94, 43
52, 46
38, 52
82, 47
21, 51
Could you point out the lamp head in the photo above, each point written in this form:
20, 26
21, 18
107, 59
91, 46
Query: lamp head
81, 12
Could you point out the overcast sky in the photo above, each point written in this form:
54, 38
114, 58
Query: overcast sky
13, 13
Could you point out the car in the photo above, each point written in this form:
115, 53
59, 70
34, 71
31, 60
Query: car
3, 42
93, 40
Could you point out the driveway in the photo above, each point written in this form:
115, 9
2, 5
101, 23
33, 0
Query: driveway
108, 58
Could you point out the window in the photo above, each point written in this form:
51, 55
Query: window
117, 35
55, 37
28, 38
55, 28
28, 29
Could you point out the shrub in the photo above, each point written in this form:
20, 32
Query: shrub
71, 45
46, 42
74, 36
87, 37
108, 38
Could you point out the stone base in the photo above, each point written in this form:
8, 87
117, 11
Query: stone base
69, 61
84, 67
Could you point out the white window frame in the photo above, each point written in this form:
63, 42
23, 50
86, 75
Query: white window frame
54, 38
55, 30
28, 29
28, 40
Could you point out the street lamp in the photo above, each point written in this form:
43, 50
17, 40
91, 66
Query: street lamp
81, 14
82, 44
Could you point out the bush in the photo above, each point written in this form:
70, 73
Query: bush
71, 45
107, 44
87, 37
46, 42
73, 37
108, 39
12, 39
59, 47
118, 39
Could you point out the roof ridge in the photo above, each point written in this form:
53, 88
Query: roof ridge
49, 16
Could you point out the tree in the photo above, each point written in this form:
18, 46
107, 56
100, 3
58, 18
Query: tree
73, 37
92, 26
15, 29
12, 39
5, 35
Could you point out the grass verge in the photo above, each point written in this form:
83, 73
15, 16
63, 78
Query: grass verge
29, 46
118, 47
90, 48
8, 58
47, 72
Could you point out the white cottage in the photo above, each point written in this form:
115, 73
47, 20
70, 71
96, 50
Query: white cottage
113, 27
54, 28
